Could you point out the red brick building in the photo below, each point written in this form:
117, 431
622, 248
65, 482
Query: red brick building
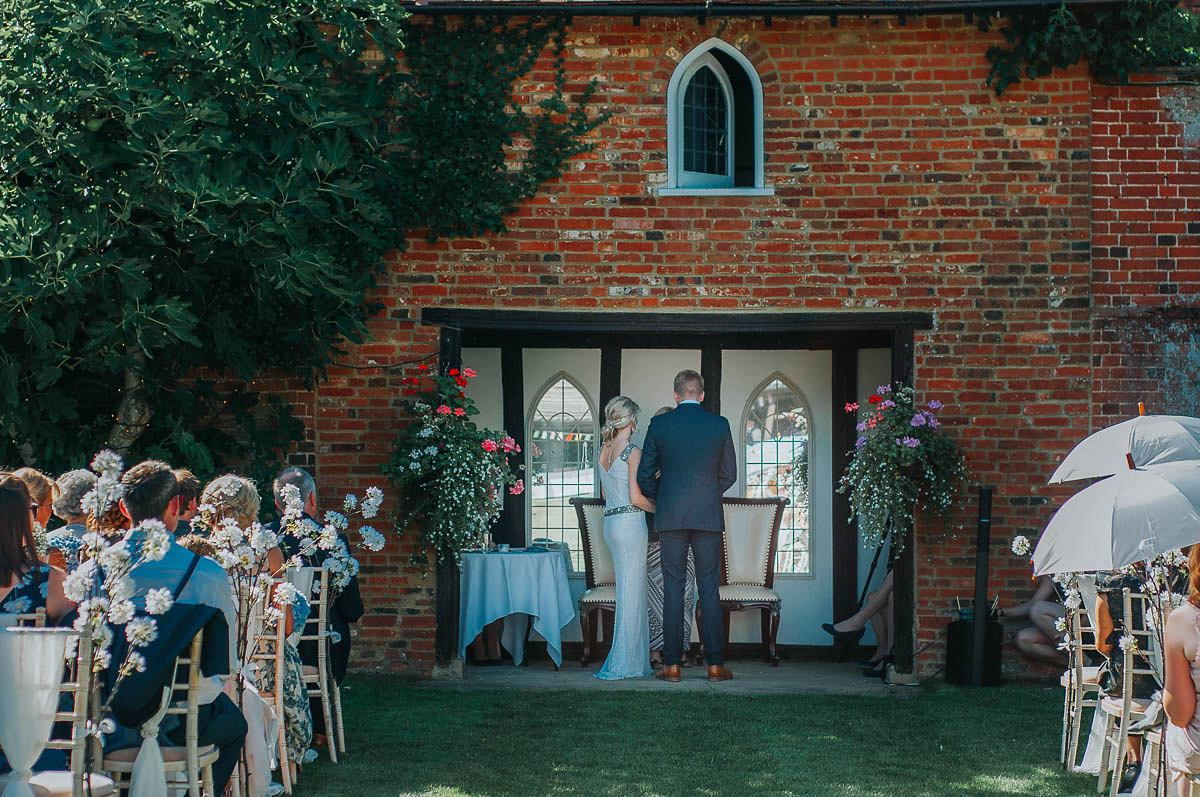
866, 208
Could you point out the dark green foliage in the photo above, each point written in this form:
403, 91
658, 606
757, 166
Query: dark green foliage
1115, 40
210, 187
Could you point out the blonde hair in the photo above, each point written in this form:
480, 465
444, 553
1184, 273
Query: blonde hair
662, 411
41, 487
229, 496
619, 412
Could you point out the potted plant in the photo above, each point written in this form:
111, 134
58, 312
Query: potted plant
903, 460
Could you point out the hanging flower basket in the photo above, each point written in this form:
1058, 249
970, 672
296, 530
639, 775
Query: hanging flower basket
903, 460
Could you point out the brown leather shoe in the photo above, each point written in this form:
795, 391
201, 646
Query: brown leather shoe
669, 673
717, 672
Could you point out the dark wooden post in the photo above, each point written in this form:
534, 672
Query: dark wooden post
845, 527
610, 379
510, 527
904, 572
710, 369
446, 595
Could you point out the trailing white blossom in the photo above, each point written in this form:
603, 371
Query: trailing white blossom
1021, 546
158, 600
372, 539
141, 631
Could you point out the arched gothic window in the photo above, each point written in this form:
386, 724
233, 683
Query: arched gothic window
714, 123
561, 452
777, 449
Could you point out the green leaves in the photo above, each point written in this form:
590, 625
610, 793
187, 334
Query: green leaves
1114, 40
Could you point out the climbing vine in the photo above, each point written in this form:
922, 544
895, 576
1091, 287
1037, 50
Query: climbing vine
1114, 40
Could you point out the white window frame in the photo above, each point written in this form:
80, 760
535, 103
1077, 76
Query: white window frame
529, 441
807, 407
684, 183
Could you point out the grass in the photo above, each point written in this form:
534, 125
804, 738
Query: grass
935, 740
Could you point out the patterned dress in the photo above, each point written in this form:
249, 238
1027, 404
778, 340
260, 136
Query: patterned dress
29, 594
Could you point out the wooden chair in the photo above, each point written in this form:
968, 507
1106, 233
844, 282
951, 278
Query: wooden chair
1152, 761
318, 680
34, 619
194, 760
600, 574
74, 782
748, 566
267, 652
1079, 683
1121, 712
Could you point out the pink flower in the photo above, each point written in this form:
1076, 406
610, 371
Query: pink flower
517, 488
443, 410
490, 446
852, 407
509, 444
459, 412
469, 373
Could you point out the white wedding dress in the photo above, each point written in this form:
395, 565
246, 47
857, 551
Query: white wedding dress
626, 535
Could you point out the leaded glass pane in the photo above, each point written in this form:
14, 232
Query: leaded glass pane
777, 449
562, 456
705, 124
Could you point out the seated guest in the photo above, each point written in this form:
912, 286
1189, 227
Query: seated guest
1181, 656
233, 497
879, 610
150, 493
62, 545
347, 606
1110, 627
189, 493
26, 584
41, 490
111, 524
1040, 641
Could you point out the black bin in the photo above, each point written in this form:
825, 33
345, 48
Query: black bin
960, 636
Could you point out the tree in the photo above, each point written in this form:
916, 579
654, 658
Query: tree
209, 188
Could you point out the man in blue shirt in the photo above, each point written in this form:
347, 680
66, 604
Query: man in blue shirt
150, 494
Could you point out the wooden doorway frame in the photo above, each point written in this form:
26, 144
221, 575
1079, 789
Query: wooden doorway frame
841, 333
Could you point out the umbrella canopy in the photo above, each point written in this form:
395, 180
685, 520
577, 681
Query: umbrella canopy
1150, 439
1130, 517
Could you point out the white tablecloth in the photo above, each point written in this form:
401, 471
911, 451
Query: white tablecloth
496, 585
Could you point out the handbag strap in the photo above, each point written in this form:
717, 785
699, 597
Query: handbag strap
187, 574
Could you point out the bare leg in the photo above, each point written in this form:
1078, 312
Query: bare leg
1044, 614
876, 602
1036, 645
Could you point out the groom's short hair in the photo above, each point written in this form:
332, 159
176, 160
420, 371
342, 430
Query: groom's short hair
689, 384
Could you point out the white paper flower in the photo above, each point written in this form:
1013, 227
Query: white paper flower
141, 631
158, 600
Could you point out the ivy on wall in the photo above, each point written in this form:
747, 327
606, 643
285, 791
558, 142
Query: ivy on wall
1114, 40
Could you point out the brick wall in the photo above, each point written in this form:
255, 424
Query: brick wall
901, 182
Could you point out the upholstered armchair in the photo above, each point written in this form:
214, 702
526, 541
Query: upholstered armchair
748, 569
599, 571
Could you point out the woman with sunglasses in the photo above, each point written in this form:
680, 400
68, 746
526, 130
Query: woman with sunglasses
26, 584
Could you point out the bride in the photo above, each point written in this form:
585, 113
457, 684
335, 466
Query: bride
625, 533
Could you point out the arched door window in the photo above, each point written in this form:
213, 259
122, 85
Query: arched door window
561, 452
777, 447
707, 126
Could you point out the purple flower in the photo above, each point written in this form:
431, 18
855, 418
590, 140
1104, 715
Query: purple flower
918, 419
862, 427
860, 442
933, 422
883, 405
935, 404
884, 389
911, 442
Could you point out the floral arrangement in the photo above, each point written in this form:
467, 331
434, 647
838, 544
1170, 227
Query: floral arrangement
901, 461
328, 539
449, 473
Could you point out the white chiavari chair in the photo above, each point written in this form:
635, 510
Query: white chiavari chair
1122, 712
1080, 684
318, 680
267, 652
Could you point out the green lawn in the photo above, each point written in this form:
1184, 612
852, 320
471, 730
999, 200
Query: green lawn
931, 740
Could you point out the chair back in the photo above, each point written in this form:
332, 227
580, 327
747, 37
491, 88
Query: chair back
34, 619
599, 569
1136, 659
266, 649
78, 685
316, 628
751, 535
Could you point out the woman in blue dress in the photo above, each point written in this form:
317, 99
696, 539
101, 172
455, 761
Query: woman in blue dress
26, 584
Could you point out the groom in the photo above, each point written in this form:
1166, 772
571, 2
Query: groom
693, 449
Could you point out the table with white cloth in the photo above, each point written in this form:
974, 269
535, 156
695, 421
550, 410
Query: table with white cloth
496, 585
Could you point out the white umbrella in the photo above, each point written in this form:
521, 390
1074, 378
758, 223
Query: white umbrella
1130, 517
1149, 439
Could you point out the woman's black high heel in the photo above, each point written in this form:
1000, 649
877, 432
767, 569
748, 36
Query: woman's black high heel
844, 637
880, 669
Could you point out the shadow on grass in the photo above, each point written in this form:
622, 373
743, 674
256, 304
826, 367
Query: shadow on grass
940, 741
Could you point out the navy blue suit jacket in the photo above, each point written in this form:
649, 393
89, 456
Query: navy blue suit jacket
694, 450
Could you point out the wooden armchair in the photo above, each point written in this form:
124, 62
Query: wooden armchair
748, 566
599, 571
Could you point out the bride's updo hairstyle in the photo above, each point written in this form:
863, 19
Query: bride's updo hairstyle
619, 412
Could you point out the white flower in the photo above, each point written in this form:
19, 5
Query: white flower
134, 661
1060, 625
285, 593
103, 659
328, 538
1020, 545
1073, 600
120, 588
121, 612
109, 490
1127, 643
372, 500
262, 539
372, 539
93, 542
335, 519
158, 540
76, 585
350, 503
244, 556
425, 432
114, 556
107, 462
293, 503
158, 600
90, 504
141, 631
206, 509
